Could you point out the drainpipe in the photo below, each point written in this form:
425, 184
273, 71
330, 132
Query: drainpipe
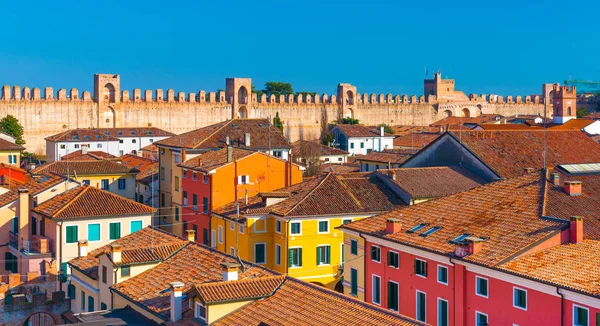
60, 253
365, 266
562, 306
112, 297
454, 291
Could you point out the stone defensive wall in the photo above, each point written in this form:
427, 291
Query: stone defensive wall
304, 116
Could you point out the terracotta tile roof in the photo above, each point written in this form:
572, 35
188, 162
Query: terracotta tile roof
361, 131
508, 214
462, 120
83, 168
301, 303
253, 288
150, 148
193, 265
35, 185
416, 140
274, 194
307, 148
509, 152
573, 266
347, 194
137, 162
136, 132
432, 182
262, 135
5, 145
90, 156
86, 201
593, 115
393, 157
339, 168
573, 124
80, 135
509, 126
147, 245
215, 159
400, 131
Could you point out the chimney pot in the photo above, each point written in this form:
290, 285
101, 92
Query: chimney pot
393, 225
227, 143
247, 139
176, 300
83, 247
191, 235
381, 132
116, 253
230, 271
573, 188
555, 178
576, 229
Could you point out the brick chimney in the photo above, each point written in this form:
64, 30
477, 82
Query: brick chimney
573, 188
116, 253
470, 246
393, 225
84, 149
555, 178
191, 235
230, 271
83, 247
176, 300
23, 218
576, 229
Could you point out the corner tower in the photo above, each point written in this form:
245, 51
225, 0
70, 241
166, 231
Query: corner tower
564, 99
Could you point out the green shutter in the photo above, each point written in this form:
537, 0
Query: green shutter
290, 257
91, 304
103, 306
354, 280
71, 291
598, 319
443, 313
328, 255
318, 255
15, 224
300, 257
342, 253
72, 234
115, 231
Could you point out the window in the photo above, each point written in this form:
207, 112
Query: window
133, 141
220, 234
205, 236
346, 220
430, 231
86, 182
278, 226
323, 226
481, 286
185, 202
104, 184
393, 259
243, 179
114, 231
162, 200
420, 267
323, 254
353, 281
417, 228
354, 247
481, 319
176, 183
421, 307
177, 214
162, 173
205, 205
120, 141
176, 156
195, 202
125, 271
231, 226
15, 225
460, 238
581, 316
442, 274
340, 159
375, 253
442, 312
376, 290
520, 298
277, 254
71, 290
241, 228
200, 311
393, 302
93, 232
104, 272
278, 154
204, 178
351, 145
82, 301
260, 253
62, 146
194, 176
137, 225
184, 174
342, 253
76, 145
103, 306
231, 251
295, 257
362, 145
98, 145
122, 183
72, 236
296, 228
213, 238
12, 159
11, 262
91, 306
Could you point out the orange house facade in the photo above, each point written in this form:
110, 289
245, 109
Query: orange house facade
216, 178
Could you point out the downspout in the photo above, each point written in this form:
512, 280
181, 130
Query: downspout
60, 234
562, 306
365, 267
112, 295
454, 291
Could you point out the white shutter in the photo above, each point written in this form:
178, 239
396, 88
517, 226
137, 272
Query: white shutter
239, 179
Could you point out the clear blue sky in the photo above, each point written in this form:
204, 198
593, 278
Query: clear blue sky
502, 47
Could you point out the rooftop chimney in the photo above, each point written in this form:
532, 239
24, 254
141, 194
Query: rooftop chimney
230, 271
247, 139
116, 253
381, 131
229, 154
576, 229
83, 247
176, 300
470, 246
191, 235
555, 178
84, 149
227, 143
393, 225
23, 218
573, 188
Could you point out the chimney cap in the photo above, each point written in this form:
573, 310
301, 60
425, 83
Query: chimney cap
83, 242
393, 220
576, 218
230, 265
116, 247
473, 239
176, 285
572, 182
23, 191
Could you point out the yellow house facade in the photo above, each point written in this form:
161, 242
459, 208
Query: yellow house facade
293, 230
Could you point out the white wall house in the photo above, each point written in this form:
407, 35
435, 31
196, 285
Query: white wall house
361, 140
114, 141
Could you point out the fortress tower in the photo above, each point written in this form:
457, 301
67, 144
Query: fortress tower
107, 94
238, 94
564, 99
442, 89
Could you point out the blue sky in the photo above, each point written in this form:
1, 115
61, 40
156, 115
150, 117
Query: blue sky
507, 48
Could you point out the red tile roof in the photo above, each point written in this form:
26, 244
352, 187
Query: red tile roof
262, 136
339, 168
308, 148
510, 126
80, 135
35, 185
400, 130
573, 124
416, 140
361, 131
462, 120
247, 289
385, 157
89, 156
84, 168
215, 159
136, 132
86, 201
6, 145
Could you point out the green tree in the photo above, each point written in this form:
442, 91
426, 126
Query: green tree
386, 128
582, 112
11, 126
277, 122
349, 121
259, 93
327, 139
277, 88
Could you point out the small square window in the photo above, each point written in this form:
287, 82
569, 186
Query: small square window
125, 271
296, 228
278, 226
481, 286
231, 226
354, 247
323, 226
443, 275
581, 316
520, 298
420, 268
346, 221
393, 259
375, 253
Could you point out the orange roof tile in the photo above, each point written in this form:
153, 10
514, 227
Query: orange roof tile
6, 145
416, 140
339, 168
238, 290
392, 157
35, 186
83, 168
106, 134
215, 159
306, 148
573, 124
148, 168
361, 131
89, 156
86, 201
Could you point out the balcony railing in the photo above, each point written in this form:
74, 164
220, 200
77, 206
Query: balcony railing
37, 245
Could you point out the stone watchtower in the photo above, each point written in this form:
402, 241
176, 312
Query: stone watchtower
238, 93
106, 95
443, 89
346, 94
564, 100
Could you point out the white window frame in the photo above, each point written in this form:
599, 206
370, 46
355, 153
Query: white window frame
278, 223
292, 223
264, 219
477, 313
231, 251
242, 227
417, 305
243, 179
584, 308
397, 294
265, 252
373, 289
526, 298
197, 311
324, 245
439, 315
318, 226
394, 252
220, 233
277, 257
204, 178
231, 226
370, 256
423, 261
213, 238
87, 230
477, 278
290, 248
438, 274
194, 175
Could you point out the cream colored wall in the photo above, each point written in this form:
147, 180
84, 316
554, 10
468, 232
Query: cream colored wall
120, 302
76, 303
4, 157
113, 183
334, 158
356, 262
216, 311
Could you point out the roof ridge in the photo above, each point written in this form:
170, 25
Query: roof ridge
348, 191
72, 199
227, 122
309, 193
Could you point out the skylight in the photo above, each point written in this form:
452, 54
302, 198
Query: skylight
430, 231
460, 238
578, 169
75, 137
120, 133
417, 228
97, 136
132, 133
149, 132
86, 137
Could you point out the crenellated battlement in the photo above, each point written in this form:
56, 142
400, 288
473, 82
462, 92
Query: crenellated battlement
18, 94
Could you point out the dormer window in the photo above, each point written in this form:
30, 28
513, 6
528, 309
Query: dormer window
200, 311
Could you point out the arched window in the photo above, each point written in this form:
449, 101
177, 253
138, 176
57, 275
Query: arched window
569, 111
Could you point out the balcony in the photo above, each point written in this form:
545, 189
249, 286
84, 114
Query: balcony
37, 245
